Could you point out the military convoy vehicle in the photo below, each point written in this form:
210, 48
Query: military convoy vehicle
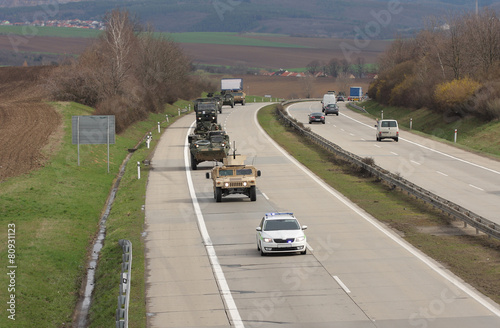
213, 146
234, 177
239, 97
228, 99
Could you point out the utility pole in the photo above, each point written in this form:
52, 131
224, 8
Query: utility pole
477, 9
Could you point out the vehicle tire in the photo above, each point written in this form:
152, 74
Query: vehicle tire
326, 114
304, 252
243, 103
194, 165
218, 194
397, 139
310, 122
337, 114
324, 122
232, 105
253, 194
262, 252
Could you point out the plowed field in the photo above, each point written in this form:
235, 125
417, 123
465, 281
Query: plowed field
26, 123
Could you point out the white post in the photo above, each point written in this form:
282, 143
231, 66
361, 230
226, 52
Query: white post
455, 139
139, 170
147, 141
166, 116
178, 112
411, 123
158, 127
382, 114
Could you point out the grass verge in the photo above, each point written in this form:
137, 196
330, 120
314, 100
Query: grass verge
56, 210
474, 258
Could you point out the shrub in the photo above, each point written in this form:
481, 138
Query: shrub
456, 95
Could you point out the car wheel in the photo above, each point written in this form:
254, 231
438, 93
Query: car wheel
262, 252
323, 122
193, 163
326, 114
397, 139
304, 252
337, 114
218, 194
253, 194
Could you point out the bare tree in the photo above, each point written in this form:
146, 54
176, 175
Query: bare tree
313, 66
333, 68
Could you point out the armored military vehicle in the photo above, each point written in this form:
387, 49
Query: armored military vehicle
234, 177
213, 147
228, 99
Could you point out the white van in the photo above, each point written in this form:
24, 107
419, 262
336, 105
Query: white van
387, 129
328, 98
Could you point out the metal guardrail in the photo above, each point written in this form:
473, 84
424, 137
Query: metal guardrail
125, 277
468, 217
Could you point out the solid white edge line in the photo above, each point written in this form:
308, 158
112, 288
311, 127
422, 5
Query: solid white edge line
424, 258
214, 261
265, 196
344, 287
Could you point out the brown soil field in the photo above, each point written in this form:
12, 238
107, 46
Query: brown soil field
26, 123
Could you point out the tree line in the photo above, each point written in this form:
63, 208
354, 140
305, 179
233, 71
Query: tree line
452, 66
128, 72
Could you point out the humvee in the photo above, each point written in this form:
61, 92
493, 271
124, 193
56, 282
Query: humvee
234, 177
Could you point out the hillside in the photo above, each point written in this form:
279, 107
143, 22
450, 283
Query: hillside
341, 19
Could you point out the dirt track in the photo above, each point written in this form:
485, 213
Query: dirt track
25, 121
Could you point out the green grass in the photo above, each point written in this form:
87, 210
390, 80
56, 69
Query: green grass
56, 210
472, 133
476, 259
223, 38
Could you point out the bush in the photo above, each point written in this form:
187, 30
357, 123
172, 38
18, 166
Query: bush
456, 95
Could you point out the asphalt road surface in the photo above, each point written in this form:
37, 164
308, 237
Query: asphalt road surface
467, 179
204, 270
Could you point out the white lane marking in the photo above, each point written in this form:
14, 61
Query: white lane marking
424, 258
219, 274
352, 134
265, 196
476, 187
394, 153
442, 173
415, 162
377, 146
344, 287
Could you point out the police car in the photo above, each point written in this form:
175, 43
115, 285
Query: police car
280, 233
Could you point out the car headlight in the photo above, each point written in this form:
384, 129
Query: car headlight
244, 184
226, 184
267, 240
300, 238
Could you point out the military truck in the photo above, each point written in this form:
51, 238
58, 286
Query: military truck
228, 99
217, 99
209, 105
239, 97
234, 177
214, 146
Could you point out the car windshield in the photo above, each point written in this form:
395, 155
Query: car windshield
225, 173
284, 224
389, 124
244, 172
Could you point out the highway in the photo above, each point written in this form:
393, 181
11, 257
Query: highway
203, 268
467, 179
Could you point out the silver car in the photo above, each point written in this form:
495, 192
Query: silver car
280, 233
